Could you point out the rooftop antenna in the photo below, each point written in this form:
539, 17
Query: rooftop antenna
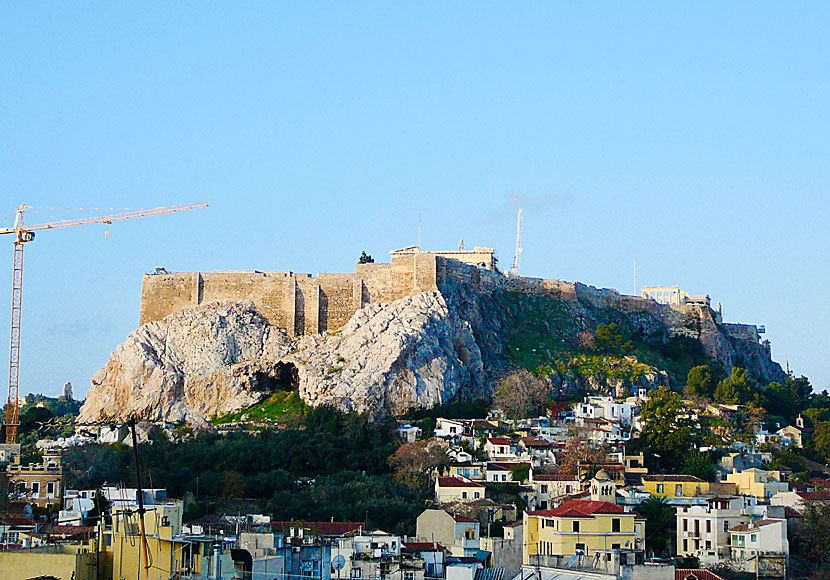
635, 273
461, 245
514, 270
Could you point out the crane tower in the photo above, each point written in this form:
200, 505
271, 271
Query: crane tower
24, 234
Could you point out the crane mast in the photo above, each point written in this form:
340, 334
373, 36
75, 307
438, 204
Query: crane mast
514, 269
24, 234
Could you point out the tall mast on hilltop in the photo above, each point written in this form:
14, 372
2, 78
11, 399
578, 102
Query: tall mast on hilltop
23, 234
514, 269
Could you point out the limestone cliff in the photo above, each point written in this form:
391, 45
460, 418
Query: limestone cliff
220, 357
414, 352
213, 359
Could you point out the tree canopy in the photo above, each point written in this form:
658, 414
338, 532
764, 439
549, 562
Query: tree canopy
669, 431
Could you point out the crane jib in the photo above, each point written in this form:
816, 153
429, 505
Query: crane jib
27, 234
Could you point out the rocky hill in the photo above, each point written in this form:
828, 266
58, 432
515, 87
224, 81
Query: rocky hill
416, 352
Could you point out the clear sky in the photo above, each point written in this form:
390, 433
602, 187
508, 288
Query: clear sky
696, 135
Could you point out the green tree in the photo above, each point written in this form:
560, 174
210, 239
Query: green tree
700, 381
700, 465
734, 389
660, 523
821, 440
668, 431
609, 338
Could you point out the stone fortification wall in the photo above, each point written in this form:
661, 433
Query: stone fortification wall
297, 303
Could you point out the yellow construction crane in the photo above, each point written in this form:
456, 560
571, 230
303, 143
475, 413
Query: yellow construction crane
23, 234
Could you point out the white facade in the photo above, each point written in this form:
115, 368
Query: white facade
605, 408
760, 537
703, 530
448, 428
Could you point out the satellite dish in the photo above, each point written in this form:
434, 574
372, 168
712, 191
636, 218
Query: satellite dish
338, 562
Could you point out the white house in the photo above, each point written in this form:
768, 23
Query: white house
605, 408
448, 428
759, 537
704, 530
499, 448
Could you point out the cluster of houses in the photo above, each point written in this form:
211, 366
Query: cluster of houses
566, 520
744, 518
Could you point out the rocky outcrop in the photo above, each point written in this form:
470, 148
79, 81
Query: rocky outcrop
411, 353
220, 357
213, 359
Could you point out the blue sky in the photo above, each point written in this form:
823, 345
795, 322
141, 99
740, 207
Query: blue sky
695, 135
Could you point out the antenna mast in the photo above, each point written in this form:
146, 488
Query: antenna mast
514, 270
636, 293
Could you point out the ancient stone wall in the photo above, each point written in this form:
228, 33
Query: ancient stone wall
297, 303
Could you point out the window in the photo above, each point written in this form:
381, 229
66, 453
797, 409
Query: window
753, 537
685, 545
678, 489
504, 477
568, 489
615, 524
50, 488
477, 495
576, 527
580, 548
544, 489
685, 524
725, 526
355, 573
409, 575
615, 546
35, 488
543, 524
708, 526
659, 488
463, 495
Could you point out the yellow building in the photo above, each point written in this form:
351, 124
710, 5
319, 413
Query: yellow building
675, 485
170, 552
65, 561
36, 483
576, 525
757, 482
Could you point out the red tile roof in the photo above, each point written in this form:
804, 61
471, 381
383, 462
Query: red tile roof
753, 525
423, 547
815, 495
499, 440
506, 466
555, 477
457, 482
671, 478
581, 508
792, 513
463, 519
